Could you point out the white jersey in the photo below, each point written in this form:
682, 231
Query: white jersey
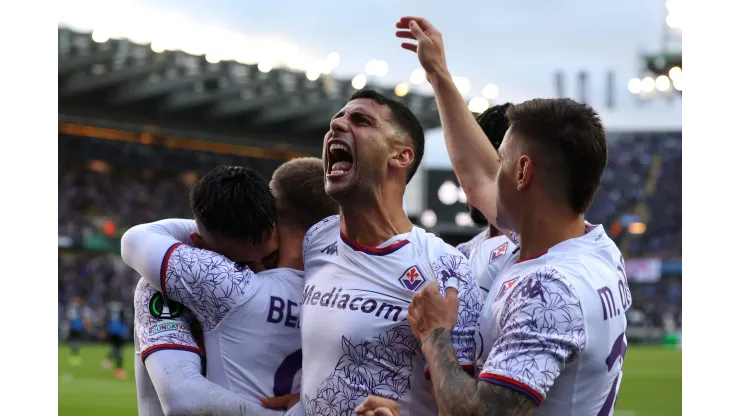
468, 246
157, 326
356, 339
250, 321
554, 326
487, 258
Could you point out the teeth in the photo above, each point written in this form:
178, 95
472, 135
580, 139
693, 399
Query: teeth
337, 172
335, 146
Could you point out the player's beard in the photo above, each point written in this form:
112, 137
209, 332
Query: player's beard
358, 188
478, 218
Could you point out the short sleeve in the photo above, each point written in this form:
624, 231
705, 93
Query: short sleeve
542, 328
207, 283
451, 269
310, 236
160, 324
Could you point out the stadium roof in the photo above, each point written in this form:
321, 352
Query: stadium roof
115, 82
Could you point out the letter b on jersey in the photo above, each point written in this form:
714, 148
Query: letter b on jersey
280, 311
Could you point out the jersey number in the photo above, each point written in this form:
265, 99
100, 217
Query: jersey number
286, 372
619, 349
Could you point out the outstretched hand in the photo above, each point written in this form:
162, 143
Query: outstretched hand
428, 47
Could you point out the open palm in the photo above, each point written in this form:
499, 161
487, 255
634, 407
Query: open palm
428, 47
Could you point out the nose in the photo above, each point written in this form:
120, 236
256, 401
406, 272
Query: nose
339, 124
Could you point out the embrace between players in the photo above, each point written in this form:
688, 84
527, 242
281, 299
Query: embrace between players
364, 313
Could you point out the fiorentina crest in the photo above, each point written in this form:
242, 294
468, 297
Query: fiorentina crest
505, 287
412, 279
498, 252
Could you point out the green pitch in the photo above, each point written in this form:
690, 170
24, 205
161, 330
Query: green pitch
651, 385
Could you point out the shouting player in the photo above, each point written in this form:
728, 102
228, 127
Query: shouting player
554, 334
363, 266
488, 251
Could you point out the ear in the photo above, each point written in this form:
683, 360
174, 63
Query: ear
198, 241
403, 158
524, 172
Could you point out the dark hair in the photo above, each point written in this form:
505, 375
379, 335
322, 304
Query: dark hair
568, 143
234, 202
301, 198
405, 120
494, 123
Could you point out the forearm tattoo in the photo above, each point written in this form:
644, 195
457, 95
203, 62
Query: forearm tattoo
457, 393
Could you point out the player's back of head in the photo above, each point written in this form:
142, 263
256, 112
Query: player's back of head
234, 203
567, 142
299, 192
405, 121
494, 123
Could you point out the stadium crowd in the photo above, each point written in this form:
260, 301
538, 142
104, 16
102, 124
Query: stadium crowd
105, 187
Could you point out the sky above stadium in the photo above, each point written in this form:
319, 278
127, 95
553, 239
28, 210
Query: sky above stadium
517, 45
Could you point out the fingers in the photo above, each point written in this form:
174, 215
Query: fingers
275, 402
410, 46
376, 406
405, 34
404, 22
451, 293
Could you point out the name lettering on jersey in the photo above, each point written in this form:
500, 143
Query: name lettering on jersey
498, 252
168, 327
412, 279
280, 309
333, 300
607, 303
505, 287
331, 249
625, 296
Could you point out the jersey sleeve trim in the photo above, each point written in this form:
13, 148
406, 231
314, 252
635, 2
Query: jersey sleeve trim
467, 368
163, 269
512, 384
154, 348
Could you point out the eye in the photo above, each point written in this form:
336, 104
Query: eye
360, 119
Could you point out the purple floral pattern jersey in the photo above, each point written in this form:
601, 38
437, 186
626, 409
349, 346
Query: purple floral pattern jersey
356, 339
552, 327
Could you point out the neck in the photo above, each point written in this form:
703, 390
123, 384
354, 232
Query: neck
371, 223
542, 230
493, 231
291, 248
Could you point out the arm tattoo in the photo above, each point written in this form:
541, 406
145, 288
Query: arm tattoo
457, 393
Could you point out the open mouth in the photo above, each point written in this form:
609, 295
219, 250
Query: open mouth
340, 159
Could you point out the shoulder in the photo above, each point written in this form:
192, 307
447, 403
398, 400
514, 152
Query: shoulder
547, 297
321, 228
282, 276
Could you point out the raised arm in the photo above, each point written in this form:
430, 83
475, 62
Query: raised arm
473, 158
145, 247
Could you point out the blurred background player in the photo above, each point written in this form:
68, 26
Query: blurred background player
117, 333
78, 320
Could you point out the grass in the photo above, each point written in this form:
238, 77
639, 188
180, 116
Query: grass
651, 385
